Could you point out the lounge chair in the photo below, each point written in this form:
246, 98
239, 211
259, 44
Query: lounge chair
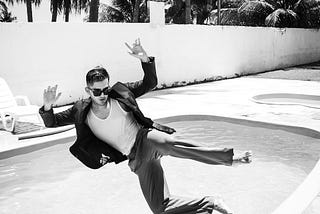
16, 106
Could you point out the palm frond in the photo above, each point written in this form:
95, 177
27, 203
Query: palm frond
282, 18
254, 13
3, 6
5, 15
229, 16
59, 5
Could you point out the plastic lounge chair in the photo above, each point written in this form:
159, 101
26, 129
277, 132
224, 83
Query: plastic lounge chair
15, 106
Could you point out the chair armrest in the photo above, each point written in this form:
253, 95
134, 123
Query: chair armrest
22, 100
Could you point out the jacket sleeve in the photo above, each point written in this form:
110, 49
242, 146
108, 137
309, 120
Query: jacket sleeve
60, 119
148, 82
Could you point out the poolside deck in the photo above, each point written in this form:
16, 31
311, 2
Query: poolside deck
227, 98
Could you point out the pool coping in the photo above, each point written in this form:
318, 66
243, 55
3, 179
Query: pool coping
261, 99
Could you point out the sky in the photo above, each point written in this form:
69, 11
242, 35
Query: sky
42, 13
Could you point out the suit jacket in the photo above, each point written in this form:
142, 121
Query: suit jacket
87, 147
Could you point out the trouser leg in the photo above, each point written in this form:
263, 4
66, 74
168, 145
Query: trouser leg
146, 164
165, 144
156, 193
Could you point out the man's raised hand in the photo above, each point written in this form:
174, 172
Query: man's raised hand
50, 96
138, 51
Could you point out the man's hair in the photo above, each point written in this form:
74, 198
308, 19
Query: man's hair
96, 74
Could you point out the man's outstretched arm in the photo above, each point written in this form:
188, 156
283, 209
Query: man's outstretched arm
150, 79
50, 119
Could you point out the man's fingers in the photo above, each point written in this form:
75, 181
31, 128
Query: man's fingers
128, 46
138, 41
58, 96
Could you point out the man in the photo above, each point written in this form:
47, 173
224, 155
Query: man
111, 128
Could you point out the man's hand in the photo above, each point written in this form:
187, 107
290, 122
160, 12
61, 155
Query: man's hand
104, 159
163, 128
138, 51
50, 97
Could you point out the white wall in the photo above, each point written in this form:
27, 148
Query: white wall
33, 56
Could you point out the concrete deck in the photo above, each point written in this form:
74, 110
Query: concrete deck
227, 98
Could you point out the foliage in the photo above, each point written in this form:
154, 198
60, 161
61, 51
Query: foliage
284, 13
230, 17
5, 15
200, 11
254, 13
175, 12
282, 18
121, 11
309, 13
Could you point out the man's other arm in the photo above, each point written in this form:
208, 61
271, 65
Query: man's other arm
149, 80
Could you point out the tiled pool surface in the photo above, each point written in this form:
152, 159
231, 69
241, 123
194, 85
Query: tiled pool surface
230, 98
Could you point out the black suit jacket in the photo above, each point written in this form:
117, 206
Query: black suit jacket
87, 147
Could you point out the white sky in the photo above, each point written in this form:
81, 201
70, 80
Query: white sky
42, 13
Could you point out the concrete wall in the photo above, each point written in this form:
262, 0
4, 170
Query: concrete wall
33, 56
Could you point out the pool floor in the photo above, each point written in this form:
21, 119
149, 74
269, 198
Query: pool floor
52, 181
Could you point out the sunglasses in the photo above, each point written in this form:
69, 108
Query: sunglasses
97, 91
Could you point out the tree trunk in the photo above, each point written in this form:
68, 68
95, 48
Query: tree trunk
67, 8
29, 10
188, 11
54, 11
94, 11
219, 12
66, 15
136, 11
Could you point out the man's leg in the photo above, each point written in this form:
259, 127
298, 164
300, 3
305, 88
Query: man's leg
167, 145
145, 162
156, 193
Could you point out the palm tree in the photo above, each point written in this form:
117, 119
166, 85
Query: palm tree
94, 11
280, 13
188, 11
5, 15
254, 13
282, 18
183, 11
176, 12
55, 8
29, 7
66, 7
283, 15
200, 10
124, 11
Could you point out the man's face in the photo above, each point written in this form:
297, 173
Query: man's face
97, 92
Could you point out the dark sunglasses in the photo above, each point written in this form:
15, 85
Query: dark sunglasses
97, 91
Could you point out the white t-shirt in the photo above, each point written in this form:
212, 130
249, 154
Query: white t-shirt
119, 129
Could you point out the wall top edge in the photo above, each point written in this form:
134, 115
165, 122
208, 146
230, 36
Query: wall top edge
160, 26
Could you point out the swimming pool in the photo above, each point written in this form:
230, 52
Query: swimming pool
52, 181
312, 101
